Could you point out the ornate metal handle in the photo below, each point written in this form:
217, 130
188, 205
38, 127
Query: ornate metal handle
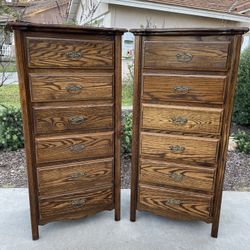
78, 203
176, 177
73, 88
73, 54
180, 120
177, 149
172, 202
182, 89
77, 148
76, 120
77, 175
184, 57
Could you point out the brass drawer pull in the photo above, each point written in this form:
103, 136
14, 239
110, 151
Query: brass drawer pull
73, 55
77, 175
77, 148
184, 57
76, 120
177, 149
73, 88
176, 177
172, 202
78, 203
183, 90
180, 120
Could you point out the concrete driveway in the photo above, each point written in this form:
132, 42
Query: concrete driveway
102, 232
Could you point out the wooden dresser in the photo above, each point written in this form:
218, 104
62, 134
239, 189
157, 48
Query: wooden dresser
70, 85
183, 101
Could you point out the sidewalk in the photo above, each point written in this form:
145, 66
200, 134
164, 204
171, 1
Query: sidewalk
101, 232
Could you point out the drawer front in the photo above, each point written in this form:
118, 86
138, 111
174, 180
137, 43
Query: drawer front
187, 148
75, 205
70, 87
183, 119
185, 88
207, 56
74, 147
60, 119
177, 175
67, 53
75, 176
175, 204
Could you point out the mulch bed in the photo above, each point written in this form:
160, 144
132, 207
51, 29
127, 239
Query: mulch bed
13, 171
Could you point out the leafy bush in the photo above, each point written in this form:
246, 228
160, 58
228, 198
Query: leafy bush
11, 132
243, 142
127, 135
242, 100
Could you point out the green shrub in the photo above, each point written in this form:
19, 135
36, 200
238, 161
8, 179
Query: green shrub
241, 113
127, 135
11, 132
243, 142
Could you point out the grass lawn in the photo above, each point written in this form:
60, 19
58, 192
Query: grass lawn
9, 95
11, 67
127, 94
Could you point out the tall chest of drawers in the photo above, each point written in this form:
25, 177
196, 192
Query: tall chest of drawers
183, 100
70, 85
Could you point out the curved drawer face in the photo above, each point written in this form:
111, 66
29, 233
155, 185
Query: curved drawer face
182, 119
50, 119
187, 148
177, 175
184, 88
71, 177
70, 87
75, 205
74, 147
206, 56
175, 204
69, 53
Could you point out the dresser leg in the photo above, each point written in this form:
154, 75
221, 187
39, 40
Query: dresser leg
35, 232
117, 214
215, 228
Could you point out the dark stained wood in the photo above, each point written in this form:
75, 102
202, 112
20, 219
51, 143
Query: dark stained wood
182, 55
181, 118
47, 53
66, 118
177, 175
184, 88
75, 205
70, 87
74, 176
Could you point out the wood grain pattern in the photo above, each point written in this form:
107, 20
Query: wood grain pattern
49, 52
65, 178
195, 149
70, 87
67, 118
175, 204
181, 118
177, 175
74, 147
75, 205
201, 88
164, 55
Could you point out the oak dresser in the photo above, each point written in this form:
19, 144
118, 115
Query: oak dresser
183, 99
70, 85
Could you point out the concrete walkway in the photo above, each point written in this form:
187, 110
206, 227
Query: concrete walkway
102, 232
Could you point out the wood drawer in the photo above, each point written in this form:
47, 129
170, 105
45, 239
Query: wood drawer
74, 176
177, 175
187, 148
206, 56
184, 88
175, 204
75, 205
50, 119
181, 118
69, 53
70, 87
74, 147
